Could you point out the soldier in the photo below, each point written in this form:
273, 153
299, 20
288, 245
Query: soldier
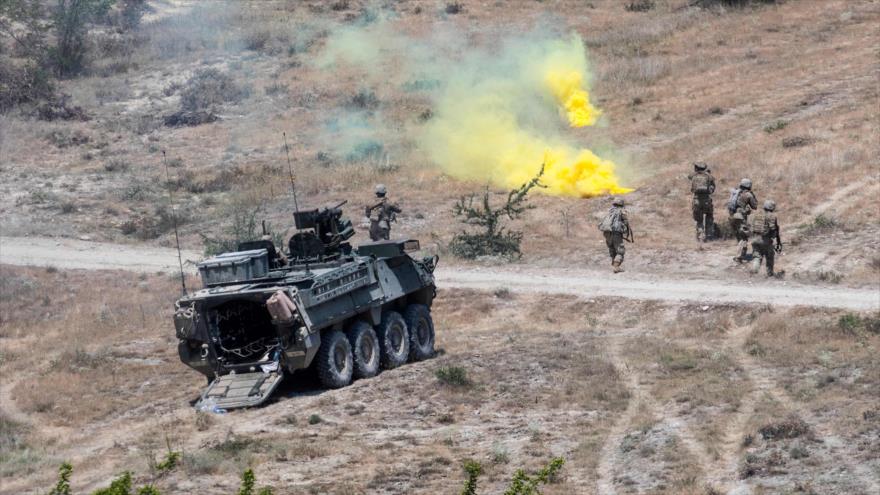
740, 207
703, 187
764, 229
381, 215
615, 227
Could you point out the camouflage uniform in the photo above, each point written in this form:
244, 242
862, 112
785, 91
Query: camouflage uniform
764, 230
381, 215
745, 204
615, 228
702, 187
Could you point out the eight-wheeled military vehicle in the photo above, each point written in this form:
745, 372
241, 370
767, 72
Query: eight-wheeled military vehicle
343, 312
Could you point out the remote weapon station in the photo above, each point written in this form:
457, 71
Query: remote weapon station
344, 312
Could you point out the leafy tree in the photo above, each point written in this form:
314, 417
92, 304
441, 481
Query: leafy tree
494, 239
71, 21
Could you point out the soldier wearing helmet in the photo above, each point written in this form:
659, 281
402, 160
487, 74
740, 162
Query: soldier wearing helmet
764, 230
703, 187
741, 205
381, 214
615, 228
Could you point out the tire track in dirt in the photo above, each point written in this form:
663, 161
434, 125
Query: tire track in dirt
640, 397
723, 474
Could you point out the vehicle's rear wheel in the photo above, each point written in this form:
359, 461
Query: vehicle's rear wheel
421, 331
334, 362
393, 340
364, 349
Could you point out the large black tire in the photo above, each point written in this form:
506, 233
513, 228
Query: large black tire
364, 349
393, 340
421, 331
334, 362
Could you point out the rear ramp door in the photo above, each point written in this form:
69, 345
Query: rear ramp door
241, 389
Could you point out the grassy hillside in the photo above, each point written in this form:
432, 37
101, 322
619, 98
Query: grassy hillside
784, 93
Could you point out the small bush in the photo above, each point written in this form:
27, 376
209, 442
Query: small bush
365, 100
775, 126
171, 460
339, 5
208, 89
256, 40
791, 427
23, 84
795, 141
249, 482
315, 419
64, 138
119, 486
473, 469
640, 6
454, 376
494, 239
115, 165
454, 8
62, 487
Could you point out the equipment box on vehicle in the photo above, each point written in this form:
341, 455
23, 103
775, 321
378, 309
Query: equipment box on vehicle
234, 267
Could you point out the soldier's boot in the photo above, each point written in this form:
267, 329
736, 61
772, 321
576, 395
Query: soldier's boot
770, 264
615, 265
710, 228
742, 248
701, 235
756, 264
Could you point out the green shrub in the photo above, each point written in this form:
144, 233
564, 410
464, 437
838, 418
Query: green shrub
119, 486
493, 239
171, 460
208, 89
775, 126
315, 419
473, 470
62, 487
454, 376
248, 483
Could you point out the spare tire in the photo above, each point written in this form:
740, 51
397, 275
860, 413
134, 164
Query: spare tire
334, 362
393, 340
421, 331
364, 349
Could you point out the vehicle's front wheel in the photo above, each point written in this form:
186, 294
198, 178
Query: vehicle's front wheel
334, 361
364, 349
421, 331
393, 340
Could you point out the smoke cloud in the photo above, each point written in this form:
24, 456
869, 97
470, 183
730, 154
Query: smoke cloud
499, 112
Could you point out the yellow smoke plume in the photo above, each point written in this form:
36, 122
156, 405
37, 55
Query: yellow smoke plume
484, 127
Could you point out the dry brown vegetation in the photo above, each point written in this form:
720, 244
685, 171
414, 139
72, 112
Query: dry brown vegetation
639, 396
728, 85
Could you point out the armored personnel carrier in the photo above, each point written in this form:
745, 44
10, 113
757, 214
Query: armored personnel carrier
345, 313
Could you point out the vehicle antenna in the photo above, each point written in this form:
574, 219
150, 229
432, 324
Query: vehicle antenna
293, 190
174, 222
290, 173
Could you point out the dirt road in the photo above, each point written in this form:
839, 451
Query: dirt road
75, 254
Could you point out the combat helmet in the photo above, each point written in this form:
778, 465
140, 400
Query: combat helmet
700, 166
381, 190
618, 201
770, 205
745, 184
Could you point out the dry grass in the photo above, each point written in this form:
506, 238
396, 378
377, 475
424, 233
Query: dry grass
816, 69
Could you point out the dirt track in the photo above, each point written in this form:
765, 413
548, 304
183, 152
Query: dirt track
74, 254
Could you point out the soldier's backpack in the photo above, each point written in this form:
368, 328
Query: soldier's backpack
700, 184
760, 225
613, 221
734, 199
